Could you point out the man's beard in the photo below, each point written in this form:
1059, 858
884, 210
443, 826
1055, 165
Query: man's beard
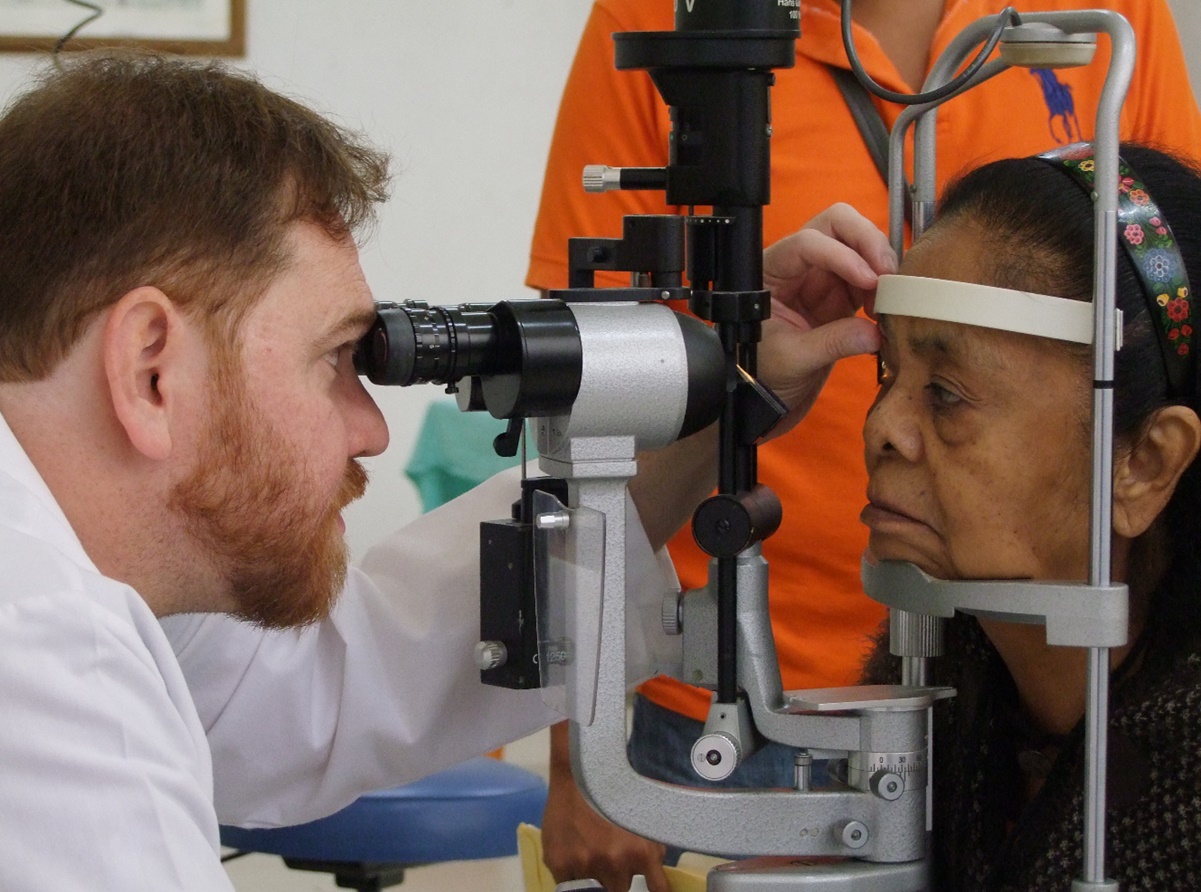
280, 551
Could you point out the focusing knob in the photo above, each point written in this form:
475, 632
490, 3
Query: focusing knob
715, 756
491, 655
888, 785
855, 834
601, 178
724, 525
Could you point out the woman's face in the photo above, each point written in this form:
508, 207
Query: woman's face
978, 443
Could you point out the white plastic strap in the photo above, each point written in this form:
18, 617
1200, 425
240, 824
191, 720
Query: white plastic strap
987, 307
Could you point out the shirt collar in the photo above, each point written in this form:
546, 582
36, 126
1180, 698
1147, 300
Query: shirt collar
821, 36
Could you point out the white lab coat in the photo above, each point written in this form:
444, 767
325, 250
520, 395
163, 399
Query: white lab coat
107, 759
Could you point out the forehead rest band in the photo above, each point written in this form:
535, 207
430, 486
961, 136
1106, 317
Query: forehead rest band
986, 306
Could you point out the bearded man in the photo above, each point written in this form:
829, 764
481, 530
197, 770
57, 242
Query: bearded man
180, 298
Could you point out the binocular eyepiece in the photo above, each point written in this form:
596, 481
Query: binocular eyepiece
414, 343
523, 358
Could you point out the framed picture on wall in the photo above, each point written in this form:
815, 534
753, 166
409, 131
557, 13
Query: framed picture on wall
194, 27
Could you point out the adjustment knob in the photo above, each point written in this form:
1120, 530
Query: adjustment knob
855, 834
601, 178
888, 785
715, 756
491, 654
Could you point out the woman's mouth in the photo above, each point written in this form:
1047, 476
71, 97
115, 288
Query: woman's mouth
881, 517
899, 532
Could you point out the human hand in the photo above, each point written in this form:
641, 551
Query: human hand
819, 278
578, 843
827, 270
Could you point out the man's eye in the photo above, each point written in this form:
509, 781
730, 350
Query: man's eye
340, 354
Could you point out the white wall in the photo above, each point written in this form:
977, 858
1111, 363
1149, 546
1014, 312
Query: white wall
1188, 20
463, 94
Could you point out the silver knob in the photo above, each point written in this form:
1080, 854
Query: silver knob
715, 756
888, 785
854, 834
556, 520
601, 178
915, 634
490, 654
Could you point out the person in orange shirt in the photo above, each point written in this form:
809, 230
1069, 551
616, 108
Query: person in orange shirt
821, 620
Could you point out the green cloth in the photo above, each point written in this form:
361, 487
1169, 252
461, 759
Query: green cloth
454, 453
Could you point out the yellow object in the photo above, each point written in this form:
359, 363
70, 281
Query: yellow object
538, 877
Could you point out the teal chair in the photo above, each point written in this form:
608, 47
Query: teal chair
454, 452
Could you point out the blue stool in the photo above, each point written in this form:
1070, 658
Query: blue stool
466, 812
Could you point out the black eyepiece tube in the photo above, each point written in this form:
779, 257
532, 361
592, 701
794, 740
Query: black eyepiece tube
413, 343
526, 354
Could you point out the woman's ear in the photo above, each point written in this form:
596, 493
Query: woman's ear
1145, 476
140, 352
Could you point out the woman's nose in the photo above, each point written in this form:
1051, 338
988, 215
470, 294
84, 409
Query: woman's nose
891, 427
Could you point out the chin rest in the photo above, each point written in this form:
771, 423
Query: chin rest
466, 812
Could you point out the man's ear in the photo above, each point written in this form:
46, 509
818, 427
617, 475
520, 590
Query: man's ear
142, 346
1146, 475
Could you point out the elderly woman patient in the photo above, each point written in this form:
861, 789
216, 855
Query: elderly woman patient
978, 452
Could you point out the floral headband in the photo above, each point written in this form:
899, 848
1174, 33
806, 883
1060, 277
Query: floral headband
1149, 243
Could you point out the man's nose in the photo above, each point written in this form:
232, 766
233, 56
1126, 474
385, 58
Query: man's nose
369, 430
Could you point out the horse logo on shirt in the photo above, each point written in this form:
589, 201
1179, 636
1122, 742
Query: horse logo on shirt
1060, 106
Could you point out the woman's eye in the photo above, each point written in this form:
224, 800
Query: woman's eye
941, 397
883, 372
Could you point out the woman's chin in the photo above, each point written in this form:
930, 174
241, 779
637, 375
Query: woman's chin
885, 548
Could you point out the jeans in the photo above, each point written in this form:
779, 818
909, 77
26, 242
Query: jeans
660, 747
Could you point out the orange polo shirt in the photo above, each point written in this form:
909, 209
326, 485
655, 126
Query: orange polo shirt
820, 616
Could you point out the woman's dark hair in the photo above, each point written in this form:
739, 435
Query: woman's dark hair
1039, 222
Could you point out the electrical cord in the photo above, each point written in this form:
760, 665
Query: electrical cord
1009, 16
97, 12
